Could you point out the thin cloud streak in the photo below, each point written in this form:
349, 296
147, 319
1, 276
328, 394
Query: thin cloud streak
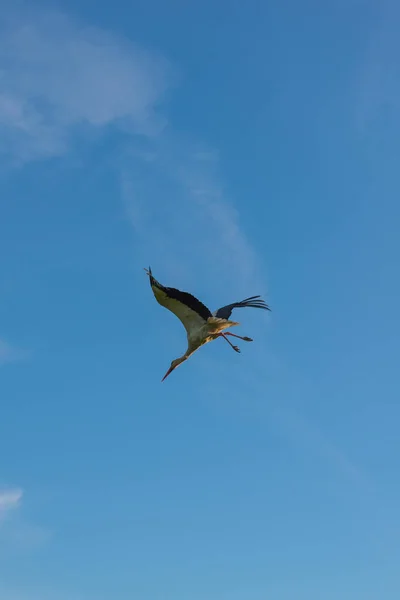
183, 222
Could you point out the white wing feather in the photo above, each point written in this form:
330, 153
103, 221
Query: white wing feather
190, 319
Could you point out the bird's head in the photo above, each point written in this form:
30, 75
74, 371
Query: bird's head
175, 363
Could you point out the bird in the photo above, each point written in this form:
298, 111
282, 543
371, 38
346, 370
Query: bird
202, 326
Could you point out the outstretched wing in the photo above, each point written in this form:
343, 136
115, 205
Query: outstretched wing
254, 302
186, 307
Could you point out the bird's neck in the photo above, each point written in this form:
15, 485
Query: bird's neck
182, 359
185, 356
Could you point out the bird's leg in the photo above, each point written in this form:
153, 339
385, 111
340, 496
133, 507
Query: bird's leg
236, 348
246, 339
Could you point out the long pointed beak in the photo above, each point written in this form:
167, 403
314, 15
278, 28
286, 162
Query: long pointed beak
168, 373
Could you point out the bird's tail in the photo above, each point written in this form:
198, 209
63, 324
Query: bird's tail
216, 324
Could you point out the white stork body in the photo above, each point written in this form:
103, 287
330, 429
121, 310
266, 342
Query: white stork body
201, 325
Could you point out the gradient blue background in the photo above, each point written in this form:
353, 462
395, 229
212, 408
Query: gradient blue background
270, 474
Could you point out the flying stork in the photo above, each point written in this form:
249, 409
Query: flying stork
201, 325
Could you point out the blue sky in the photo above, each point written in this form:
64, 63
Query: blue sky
237, 148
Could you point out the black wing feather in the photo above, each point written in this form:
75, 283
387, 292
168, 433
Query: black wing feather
183, 297
254, 302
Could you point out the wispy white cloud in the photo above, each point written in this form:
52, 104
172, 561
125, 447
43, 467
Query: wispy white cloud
15, 533
61, 80
10, 499
57, 75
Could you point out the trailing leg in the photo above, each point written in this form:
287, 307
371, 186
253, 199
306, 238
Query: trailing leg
236, 348
246, 339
